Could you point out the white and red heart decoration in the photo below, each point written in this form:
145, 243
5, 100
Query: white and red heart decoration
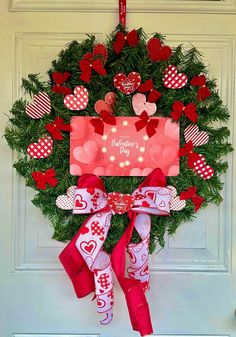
66, 201
174, 80
40, 106
140, 104
192, 133
204, 171
127, 84
88, 247
79, 100
120, 203
107, 104
42, 149
175, 203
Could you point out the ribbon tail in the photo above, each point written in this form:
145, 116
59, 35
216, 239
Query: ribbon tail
133, 290
76, 268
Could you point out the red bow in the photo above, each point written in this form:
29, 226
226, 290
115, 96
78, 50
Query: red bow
191, 193
131, 38
43, 178
203, 92
60, 78
56, 127
146, 121
105, 117
189, 111
153, 95
187, 150
93, 61
157, 51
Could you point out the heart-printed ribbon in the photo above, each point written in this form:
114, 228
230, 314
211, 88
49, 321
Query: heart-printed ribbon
90, 267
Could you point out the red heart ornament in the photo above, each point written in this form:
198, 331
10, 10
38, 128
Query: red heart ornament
204, 171
88, 247
127, 84
42, 149
40, 106
174, 80
197, 137
120, 203
79, 100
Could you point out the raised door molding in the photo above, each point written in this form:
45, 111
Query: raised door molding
168, 6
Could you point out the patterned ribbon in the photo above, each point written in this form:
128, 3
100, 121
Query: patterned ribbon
152, 197
122, 12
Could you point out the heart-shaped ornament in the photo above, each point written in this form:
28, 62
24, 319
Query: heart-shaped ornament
86, 153
88, 247
127, 84
66, 201
79, 100
204, 171
42, 149
106, 104
79, 202
40, 106
120, 203
192, 133
174, 80
140, 104
175, 203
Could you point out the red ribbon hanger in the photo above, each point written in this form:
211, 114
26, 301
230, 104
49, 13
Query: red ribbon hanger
122, 12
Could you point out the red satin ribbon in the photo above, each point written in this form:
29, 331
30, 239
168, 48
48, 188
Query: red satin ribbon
189, 111
44, 178
122, 12
82, 277
95, 61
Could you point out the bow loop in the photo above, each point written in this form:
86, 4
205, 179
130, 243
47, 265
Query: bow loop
150, 123
121, 39
178, 109
191, 193
44, 178
187, 150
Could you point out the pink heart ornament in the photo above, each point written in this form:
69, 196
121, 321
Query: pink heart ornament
106, 104
174, 80
87, 153
40, 106
198, 138
140, 104
79, 100
66, 201
175, 203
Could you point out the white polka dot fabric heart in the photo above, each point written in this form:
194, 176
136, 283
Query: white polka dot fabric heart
42, 149
175, 203
174, 80
79, 100
66, 201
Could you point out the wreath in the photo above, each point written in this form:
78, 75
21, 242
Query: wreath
103, 81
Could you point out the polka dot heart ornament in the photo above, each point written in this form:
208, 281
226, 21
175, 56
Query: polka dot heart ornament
42, 149
174, 80
204, 171
79, 100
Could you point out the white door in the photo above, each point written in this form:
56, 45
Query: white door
193, 282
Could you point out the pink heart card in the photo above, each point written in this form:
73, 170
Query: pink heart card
122, 150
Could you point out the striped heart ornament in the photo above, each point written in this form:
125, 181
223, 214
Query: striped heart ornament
40, 106
192, 133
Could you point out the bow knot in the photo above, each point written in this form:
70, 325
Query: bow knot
105, 117
150, 123
121, 39
191, 193
187, 150
203, 91
44, 178
178, 109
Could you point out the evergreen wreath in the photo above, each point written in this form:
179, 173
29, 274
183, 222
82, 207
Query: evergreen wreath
150, 59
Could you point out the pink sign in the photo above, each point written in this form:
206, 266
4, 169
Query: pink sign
122, 150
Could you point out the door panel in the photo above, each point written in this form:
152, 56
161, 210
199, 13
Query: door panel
193, 281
